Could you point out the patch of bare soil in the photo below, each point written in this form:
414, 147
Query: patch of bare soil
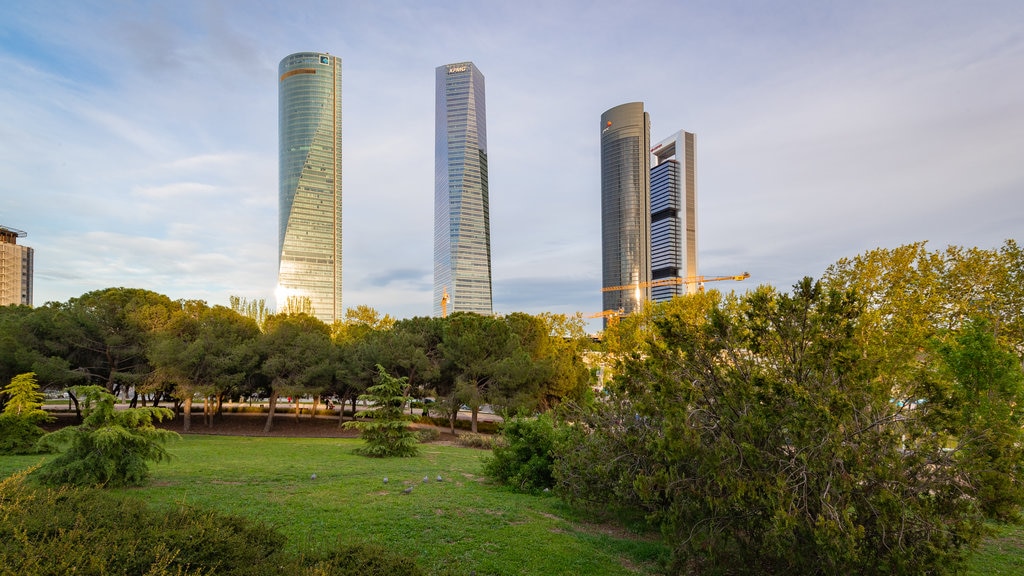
251, 424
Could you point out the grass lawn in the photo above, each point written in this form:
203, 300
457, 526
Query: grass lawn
462, 522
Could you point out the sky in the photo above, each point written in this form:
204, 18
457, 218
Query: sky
138, 139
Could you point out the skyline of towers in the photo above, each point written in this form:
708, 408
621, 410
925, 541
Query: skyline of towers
462, 232
648, 213
310, 183
16, 268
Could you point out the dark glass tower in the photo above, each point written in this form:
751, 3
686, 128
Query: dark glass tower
625, 206
673, 216
309, 152
462, 230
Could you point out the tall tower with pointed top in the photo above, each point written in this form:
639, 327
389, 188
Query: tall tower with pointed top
462, 229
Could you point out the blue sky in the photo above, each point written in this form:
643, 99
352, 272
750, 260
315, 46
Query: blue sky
138, 140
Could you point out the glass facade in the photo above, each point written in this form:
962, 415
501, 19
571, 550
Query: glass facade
625, 206
673, 216
462, 230
309, 153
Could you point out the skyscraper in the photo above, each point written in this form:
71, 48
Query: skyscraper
16, 263
462, 230
309, 153
673, 215
625, 205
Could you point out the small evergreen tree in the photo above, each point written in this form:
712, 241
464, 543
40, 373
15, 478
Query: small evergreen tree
110, 448
385, 428
19, 423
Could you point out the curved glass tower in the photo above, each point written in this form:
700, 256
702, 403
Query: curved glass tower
625, 206
309, 152
462, 229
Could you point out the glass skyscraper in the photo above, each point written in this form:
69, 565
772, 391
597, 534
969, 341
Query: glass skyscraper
673, 215
462, 230
309, 152
625, 206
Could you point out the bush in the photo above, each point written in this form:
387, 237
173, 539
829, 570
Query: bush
90, 532
18, 435
110, 447
426, 435
19, 422
471, 440
524, 459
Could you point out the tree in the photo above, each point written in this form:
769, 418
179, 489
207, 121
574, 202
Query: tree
296, 352
486, 360
981, 408
19, 422
385, 427
758, 433
103, 334
210, 351
111, 448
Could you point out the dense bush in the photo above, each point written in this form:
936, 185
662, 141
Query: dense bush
525, 456
758, 433
18, 435
19, 422
110, 448
89, 532
473, 440
425, 435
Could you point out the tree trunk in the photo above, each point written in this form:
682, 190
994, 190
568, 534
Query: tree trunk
220, 404
187, 422
135, 400
475, 410
455, 415
270, 415
296, 408
316, 402
208, 411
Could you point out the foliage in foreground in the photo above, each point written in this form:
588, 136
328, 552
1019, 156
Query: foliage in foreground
385, 427
754, 431
19, 422
524, 459
110, 448
56, 531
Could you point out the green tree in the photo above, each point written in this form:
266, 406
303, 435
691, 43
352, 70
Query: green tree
981, 407
104, 334
209, 351
385, 426
296, 352
757, 433
19, 422
111, 448
487, 363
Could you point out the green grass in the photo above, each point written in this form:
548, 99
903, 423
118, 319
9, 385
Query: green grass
1002, 554
462, 523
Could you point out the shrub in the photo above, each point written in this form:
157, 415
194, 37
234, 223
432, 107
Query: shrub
425, 435
90, 532
19, 422
471, 440
110, 447
524, 459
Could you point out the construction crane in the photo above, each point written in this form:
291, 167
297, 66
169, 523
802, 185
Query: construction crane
444, 302
676, 280
606, 314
